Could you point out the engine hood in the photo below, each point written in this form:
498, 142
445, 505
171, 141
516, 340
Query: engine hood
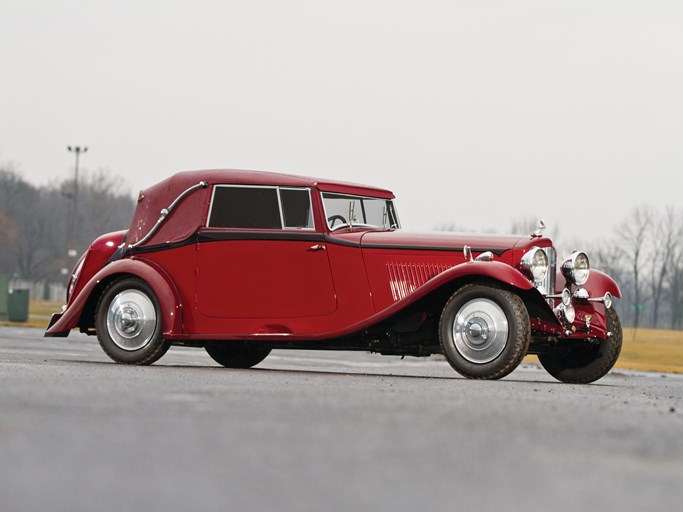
441, 240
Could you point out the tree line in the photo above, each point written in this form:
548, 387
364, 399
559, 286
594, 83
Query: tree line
645, 256
35, 221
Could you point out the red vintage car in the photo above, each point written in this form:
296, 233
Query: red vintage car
242, 262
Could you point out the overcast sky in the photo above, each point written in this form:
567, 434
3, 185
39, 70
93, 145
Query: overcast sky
474, 113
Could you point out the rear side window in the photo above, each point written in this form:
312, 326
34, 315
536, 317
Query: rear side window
261, 208
296, 208
242, 207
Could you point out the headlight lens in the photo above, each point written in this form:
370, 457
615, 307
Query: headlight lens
535, 264
566, 313
570, 313
74, 278
577, 268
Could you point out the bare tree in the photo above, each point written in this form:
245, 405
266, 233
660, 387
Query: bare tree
674, 278
107, 205
8, 228
633, 234
33, 220
33, 243
666, 233
605, 257
8, 240
21, 203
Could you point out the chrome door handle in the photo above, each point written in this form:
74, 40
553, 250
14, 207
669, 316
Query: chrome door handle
318, 247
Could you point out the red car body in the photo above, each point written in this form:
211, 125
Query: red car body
320, 283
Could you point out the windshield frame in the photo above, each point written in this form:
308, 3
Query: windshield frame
391, 212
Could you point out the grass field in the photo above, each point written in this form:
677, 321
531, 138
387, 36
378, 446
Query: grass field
645, 349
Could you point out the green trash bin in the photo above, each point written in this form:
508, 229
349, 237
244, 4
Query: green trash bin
17, 307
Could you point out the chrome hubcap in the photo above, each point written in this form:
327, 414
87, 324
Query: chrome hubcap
131, 320
480, 331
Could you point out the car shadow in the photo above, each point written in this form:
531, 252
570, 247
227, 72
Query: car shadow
359, 374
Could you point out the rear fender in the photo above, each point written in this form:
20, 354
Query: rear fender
86, 301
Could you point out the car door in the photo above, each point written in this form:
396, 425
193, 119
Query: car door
260, 256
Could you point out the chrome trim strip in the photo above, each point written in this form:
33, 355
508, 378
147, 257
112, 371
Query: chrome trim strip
340, 194
166, 211
497, 252
279, 203
279, 207
310, 204
221, 235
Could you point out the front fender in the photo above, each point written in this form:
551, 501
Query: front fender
169, 299
491, 269
599, 283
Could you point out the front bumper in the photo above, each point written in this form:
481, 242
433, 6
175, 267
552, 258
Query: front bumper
53, 320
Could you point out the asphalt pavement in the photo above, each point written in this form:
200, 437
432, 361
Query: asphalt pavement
325, 431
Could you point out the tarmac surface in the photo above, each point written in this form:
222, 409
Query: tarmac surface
325, 431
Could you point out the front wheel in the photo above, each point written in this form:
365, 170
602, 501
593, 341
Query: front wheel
583, 362
484, 331
128, 323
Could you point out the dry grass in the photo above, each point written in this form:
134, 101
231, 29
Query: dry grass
645, 349
652, 349
39, 313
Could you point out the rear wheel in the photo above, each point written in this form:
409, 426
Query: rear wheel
484, 331
237, 354
128, 323
582, 362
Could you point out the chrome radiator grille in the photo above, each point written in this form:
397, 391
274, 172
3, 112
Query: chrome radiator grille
549, 281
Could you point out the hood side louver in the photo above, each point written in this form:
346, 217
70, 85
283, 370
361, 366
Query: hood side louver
405, 277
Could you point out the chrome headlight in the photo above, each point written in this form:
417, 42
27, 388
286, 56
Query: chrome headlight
74, 278
607, 300
534, 264
566, 313
566, 297
577, 268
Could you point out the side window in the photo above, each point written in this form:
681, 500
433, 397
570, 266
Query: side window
245, 207
296, 208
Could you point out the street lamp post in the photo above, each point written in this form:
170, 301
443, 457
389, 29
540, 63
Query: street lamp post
72, 233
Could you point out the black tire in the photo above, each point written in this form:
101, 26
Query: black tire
128, 323
237, 354
484, 331
582, 362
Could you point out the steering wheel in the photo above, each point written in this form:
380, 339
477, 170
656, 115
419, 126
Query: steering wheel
332, 218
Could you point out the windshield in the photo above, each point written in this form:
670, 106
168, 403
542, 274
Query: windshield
344, 210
